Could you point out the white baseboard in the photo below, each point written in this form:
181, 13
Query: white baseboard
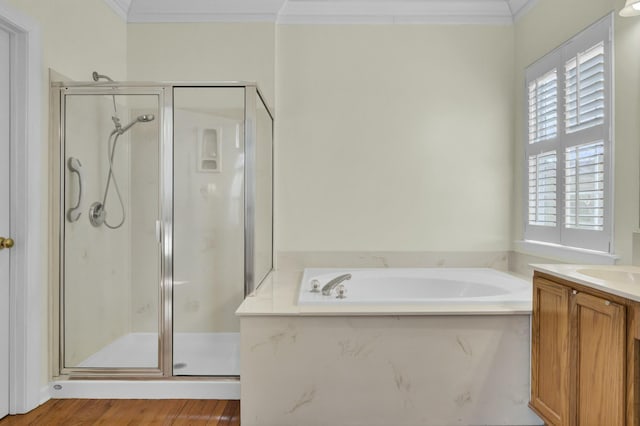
45, 394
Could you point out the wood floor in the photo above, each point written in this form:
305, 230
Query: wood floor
131, 412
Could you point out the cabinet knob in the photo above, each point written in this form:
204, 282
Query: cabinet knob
574, 292
607, 303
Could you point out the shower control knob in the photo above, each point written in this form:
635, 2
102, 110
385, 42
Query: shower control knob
6, 243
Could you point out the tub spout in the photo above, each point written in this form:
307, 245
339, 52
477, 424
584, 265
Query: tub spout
326, 290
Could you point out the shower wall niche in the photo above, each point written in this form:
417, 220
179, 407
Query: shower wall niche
164, 222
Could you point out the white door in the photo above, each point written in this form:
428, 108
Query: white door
4, 221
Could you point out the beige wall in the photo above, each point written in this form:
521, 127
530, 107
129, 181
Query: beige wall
203, 52
395, 138
79, 37
561, 19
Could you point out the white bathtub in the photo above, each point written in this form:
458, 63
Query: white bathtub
416, 286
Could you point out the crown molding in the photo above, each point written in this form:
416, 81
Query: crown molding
396, 12
521, 7
185, 17
204, 10
500, 12
120, 7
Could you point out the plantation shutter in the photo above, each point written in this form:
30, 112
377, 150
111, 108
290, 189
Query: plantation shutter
543, 107
542, 189
584, 186
568, 142
542, 162
584, 89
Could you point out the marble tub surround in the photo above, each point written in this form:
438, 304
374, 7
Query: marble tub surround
522, 264
278, 295
385, 370
620, 280
397, 364
298, 260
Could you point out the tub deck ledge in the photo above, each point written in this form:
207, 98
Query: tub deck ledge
278, 296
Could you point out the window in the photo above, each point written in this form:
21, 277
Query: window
568, 148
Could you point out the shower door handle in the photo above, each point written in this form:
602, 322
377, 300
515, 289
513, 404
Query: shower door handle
73, 214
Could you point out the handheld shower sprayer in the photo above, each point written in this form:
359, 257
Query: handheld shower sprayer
97, 212
145, 118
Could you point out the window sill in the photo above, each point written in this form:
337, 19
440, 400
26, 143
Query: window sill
565, 253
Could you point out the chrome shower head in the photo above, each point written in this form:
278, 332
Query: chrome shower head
97, 76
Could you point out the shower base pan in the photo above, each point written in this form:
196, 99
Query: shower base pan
194, 354
143, 389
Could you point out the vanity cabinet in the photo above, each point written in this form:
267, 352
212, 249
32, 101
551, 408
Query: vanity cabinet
584, 359
550, 351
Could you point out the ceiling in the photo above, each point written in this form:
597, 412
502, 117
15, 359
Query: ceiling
323, 11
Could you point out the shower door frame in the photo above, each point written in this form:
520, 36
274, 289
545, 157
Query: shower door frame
164, 91
251, 96
59, 91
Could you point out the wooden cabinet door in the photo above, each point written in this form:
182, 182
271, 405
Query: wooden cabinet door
550, 352
599, 361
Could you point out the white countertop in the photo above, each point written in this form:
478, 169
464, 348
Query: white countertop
620, 280
278, 296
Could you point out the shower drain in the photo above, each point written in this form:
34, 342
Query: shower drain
179, 365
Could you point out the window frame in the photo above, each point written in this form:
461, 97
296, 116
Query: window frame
600, 241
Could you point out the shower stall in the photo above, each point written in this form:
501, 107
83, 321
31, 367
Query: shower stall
163, 223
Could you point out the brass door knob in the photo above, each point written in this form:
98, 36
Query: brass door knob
6, 243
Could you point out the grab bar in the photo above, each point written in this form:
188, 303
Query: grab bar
73, 214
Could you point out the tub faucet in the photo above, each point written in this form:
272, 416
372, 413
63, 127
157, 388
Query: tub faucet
326, 290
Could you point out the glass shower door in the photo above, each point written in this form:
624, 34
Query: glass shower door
209, 226
111, 253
